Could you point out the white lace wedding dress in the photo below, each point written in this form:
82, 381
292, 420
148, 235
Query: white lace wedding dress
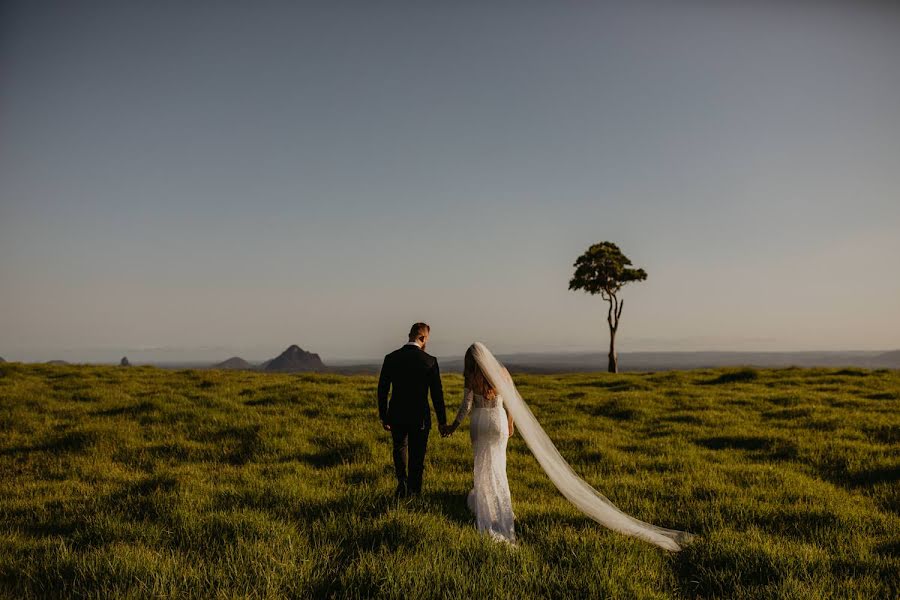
490, 498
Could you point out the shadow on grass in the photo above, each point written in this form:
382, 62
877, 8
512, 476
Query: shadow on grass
236, 445
886, 434
333, 451
874, 476
884, 396
853, 372
683, 418
705, 572
739, 376
131, 410
450, 505
150, 499
617, 385
361, 477
616, 409
789, 413
771, 447
803, 523
67, 442
275, 400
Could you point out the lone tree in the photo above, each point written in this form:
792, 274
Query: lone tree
603, 270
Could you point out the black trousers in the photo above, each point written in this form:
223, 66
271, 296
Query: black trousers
410, 442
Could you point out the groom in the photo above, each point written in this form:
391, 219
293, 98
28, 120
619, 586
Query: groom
411, 372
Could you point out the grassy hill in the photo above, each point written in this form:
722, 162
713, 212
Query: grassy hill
141, 482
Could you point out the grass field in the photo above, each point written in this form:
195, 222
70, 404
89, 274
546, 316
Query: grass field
140, 482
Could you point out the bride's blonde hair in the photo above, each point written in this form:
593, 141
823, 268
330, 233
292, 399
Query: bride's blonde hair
474, 378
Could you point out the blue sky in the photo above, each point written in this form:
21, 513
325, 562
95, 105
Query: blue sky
207, 179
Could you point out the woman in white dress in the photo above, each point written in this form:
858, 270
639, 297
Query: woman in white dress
494, 402
489, 429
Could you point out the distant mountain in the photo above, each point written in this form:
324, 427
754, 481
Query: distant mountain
890, 360
1, 360
295, 359
576, 362
235, 362
124, 362
57, 362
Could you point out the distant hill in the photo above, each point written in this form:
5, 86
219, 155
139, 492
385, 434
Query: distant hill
295, 359
57, 362
1, 360
235, 362
890, 360
662, 361
576, 362
124, 362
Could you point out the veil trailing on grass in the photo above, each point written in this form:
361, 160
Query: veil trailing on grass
574, 488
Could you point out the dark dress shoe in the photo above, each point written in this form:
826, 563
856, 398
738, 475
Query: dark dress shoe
401, 491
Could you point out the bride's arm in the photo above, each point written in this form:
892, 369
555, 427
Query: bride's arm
464, 408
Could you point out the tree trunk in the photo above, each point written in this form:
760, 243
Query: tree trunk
613, 359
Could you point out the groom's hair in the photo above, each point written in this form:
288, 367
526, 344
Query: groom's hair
418, 330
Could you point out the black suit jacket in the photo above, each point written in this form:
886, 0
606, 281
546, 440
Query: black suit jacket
408, 374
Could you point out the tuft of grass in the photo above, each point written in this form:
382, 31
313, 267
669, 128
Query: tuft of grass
144, 482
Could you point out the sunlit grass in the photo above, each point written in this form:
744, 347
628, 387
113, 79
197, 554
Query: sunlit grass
143, 482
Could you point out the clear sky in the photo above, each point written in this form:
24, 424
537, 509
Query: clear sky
214, 178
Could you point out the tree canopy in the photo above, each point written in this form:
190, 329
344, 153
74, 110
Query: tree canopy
603, 269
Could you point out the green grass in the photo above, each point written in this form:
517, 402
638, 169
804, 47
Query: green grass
140, 482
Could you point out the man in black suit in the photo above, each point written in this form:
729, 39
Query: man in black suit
411, 372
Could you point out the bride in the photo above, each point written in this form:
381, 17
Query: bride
491, 396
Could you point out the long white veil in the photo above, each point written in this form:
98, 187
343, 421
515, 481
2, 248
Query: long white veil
574, 488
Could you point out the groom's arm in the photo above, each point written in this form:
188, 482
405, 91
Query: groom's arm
437, 394
384, 388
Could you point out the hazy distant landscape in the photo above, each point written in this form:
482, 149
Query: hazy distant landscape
294, 359
666, 361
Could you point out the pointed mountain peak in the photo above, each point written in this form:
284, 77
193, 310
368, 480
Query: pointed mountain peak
295, 359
